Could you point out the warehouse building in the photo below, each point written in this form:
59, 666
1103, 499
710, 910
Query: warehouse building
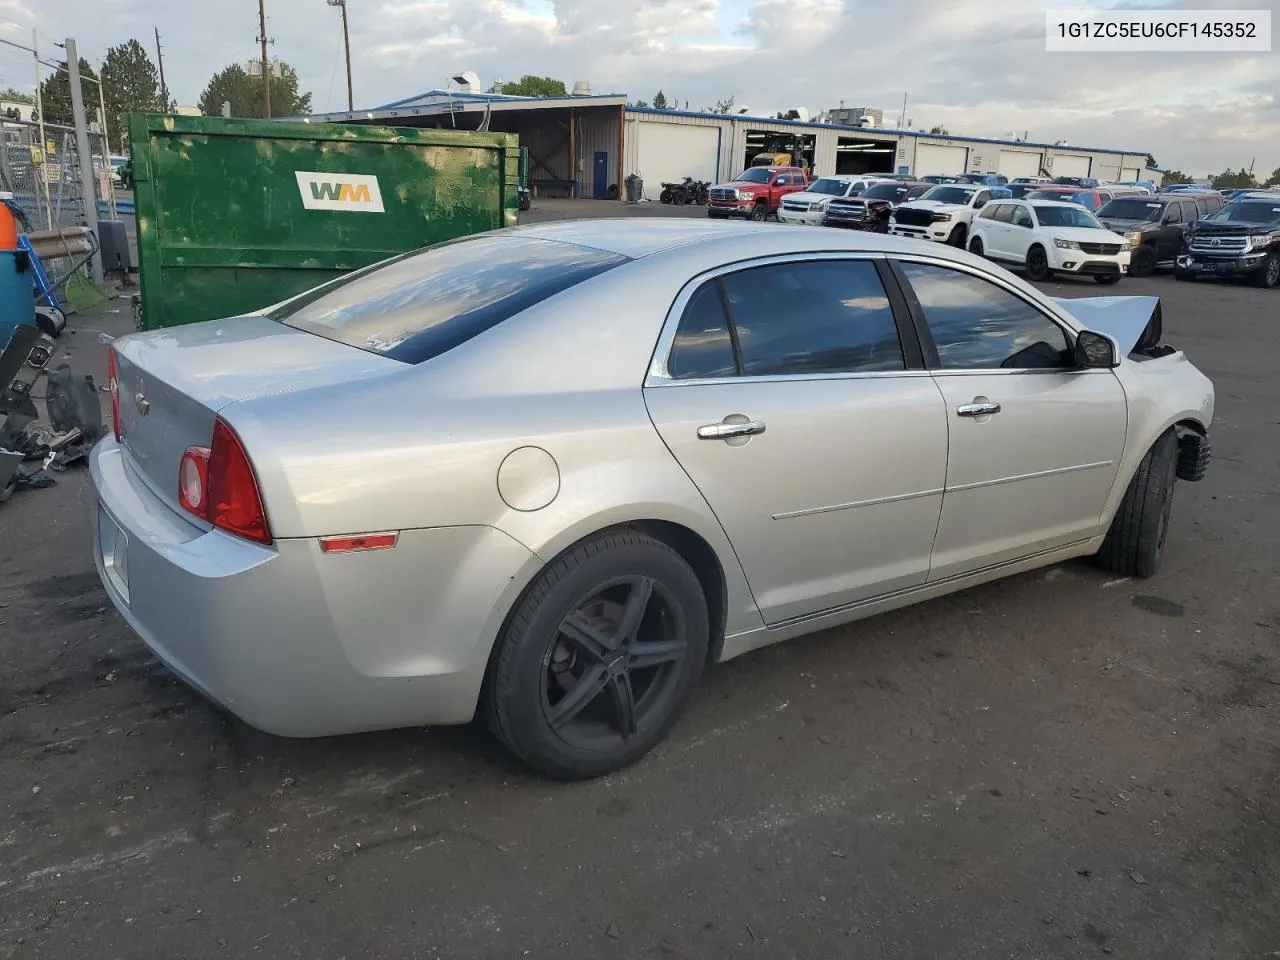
587, 145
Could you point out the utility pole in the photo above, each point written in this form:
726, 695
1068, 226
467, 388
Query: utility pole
164, 90
39, 170
346, 43
266, 67
87, 193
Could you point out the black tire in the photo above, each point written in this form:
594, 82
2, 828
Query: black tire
664, 196
45, 321
534, 658
1135, 540
1107, 281
1037, 267
958, 236
760, 212
1142, 262
1183, 275
1268, 275
975, 246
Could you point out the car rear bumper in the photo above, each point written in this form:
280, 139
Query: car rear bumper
297, 642
1221, 266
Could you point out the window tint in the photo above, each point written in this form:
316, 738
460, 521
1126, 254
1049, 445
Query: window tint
996, 211
702, 347
982, 198
979, 326
1022, 218
420, 305
1175, 213
825, 316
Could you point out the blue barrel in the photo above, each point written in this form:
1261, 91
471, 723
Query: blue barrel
17, 294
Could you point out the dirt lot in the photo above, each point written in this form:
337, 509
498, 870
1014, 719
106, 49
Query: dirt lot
1060, 765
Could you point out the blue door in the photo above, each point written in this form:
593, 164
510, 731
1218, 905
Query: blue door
601, 175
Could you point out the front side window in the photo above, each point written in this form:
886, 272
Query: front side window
977, 325
1022, 218
419, 305
805, 317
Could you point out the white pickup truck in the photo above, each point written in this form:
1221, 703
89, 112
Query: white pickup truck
943, 214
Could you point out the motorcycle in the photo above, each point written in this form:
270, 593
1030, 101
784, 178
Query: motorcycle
687, 191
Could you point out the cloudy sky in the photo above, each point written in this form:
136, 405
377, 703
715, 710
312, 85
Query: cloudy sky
974, 66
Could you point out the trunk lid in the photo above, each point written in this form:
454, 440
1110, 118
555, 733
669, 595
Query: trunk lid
173, 382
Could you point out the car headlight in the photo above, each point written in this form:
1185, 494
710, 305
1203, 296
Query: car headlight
746, 195
941, 217
1125, 245
1134, 237
1066, 244
1263, 241
819, 205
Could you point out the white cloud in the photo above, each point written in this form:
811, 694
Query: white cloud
974, 66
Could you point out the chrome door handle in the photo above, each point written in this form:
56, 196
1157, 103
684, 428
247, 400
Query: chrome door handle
727, 431
978, 409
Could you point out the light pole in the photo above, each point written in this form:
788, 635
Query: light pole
346, 43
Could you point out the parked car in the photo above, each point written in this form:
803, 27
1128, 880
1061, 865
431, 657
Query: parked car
1111, 191
1086, 197
985, 179
936, 178
1153, 225
1031, 180
1241, 239
547, 519
1192, 187
755, 193
870, 209
809, 205
1076, 181
942, 214
1044, 237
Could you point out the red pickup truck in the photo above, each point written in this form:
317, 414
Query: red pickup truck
755, 193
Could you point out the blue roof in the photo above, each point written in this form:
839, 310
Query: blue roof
488, 98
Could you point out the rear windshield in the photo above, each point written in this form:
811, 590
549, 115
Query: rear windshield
835, 188
886, 191
422, 304
1249, 211
1132, 208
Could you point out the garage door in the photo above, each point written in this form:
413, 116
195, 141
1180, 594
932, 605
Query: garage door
934, 158
1019, 163
1070, 165
1131, 173
1107, 169
669, 152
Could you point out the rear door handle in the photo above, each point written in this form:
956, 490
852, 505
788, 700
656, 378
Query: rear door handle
978, 409
727, 431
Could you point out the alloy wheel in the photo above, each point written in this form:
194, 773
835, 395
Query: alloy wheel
613, 664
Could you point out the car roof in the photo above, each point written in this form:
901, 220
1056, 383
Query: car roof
1045, 203
637, 237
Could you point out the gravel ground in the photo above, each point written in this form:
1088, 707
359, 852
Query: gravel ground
1064, 764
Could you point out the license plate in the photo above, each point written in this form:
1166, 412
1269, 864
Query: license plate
113, 542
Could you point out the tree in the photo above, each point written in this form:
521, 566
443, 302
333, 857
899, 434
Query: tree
16, 96
531, 86
1228, 180
1175, 176
660, 101
232, 84
130, 83
722, 106
642, 104
55, 93
1274, 179
1151, 163
941, 131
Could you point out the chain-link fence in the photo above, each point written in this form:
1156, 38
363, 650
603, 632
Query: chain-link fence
44, 175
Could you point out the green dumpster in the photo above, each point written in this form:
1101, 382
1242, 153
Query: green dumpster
237, 214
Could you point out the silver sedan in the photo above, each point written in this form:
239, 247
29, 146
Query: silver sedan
551, 473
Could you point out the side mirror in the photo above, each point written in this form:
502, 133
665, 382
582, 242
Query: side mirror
1096, 350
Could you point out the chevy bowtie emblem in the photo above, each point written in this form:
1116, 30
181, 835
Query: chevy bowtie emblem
141, 402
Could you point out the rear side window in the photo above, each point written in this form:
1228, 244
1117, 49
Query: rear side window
703, 347
826, 316
423, 304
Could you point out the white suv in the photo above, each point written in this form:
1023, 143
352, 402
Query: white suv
810, 206
1044, 236
942, 214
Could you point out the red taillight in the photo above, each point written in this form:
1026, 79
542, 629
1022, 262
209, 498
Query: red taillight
113, 384
217, 484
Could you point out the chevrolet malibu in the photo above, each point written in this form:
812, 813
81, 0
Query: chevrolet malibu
549, 474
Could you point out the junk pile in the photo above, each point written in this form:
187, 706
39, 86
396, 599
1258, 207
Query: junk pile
31, 451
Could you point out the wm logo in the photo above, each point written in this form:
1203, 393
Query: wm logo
341, 192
